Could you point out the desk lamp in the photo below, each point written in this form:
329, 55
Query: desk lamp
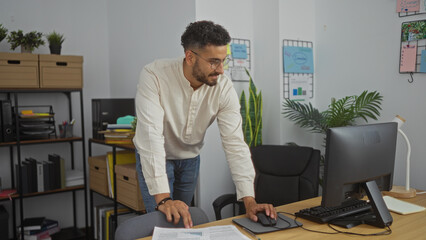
401, 191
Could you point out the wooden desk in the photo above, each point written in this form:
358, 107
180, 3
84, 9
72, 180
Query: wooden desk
412, 226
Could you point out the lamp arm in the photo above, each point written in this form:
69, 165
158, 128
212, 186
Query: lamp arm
407, 174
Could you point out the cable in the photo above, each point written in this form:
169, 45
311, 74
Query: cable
388, 231
306, 229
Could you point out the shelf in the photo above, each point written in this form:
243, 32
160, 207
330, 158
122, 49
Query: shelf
69, 233
41, 141
67, 189
39, 134
124, 146
38, 90
112, 199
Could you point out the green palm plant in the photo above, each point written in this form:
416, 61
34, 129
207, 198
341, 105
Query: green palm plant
3, 32
251, 113
343, 112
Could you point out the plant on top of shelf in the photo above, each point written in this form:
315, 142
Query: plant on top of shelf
3, 32
55, 42
28, 41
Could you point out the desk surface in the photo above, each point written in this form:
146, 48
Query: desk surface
412, 226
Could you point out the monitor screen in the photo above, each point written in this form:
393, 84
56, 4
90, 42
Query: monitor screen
356, 155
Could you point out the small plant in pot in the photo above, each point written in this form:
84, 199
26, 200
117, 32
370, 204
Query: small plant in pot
55, 42
28, 41
3, 32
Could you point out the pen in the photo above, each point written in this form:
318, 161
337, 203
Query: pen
251, 233
72, 121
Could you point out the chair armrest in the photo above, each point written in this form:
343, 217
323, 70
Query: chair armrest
225, 200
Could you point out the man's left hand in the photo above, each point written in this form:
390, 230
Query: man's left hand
252, 208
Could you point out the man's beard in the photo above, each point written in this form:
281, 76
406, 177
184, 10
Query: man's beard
201, 77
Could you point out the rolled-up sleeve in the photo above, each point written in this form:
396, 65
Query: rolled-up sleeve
149, 138
236, 150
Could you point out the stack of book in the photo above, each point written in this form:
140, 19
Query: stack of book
41, 176
118, 134
74, 178
38, 228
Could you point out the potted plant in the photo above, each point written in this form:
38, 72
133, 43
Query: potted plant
343, 112
251, 114
28, 42
3, 32
55, 42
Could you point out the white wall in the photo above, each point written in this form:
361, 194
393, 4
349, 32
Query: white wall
139, 33
215, 178
357, 49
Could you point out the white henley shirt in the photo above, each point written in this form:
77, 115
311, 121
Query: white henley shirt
173, 119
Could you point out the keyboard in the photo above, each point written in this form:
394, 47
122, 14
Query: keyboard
321, 214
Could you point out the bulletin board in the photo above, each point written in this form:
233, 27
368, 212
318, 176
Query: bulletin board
298, 69
240, 54
413, 48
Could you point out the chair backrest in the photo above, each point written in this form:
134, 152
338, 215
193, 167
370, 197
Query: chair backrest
143, 225
285, 174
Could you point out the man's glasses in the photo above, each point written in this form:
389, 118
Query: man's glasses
214, 63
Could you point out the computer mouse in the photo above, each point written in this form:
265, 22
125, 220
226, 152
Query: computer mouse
265, 220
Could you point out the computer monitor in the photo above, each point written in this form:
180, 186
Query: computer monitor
360, 159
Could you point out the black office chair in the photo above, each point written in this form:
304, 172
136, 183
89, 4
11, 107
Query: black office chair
284, 174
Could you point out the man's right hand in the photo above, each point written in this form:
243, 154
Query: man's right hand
174, 210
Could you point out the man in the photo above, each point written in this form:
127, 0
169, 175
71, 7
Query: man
176, 102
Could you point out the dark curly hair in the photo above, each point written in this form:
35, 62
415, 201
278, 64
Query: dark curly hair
202, 33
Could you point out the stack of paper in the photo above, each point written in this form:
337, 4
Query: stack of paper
401, 207
118, 134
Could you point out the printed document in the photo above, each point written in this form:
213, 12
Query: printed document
226, 232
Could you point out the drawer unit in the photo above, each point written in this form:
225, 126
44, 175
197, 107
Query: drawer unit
98, 174
58, 71
19, 70
128, 191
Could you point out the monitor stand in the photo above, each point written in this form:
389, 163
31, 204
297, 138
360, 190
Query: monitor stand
379, 216
355, 219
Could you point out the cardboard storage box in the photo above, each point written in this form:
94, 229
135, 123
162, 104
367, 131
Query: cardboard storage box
58, 71
128, 191
18, 70
98, 174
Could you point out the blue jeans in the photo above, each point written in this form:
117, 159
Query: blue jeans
182, 175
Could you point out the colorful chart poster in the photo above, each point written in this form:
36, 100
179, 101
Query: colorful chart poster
299, 87
298, 60
407, 5
408, 58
